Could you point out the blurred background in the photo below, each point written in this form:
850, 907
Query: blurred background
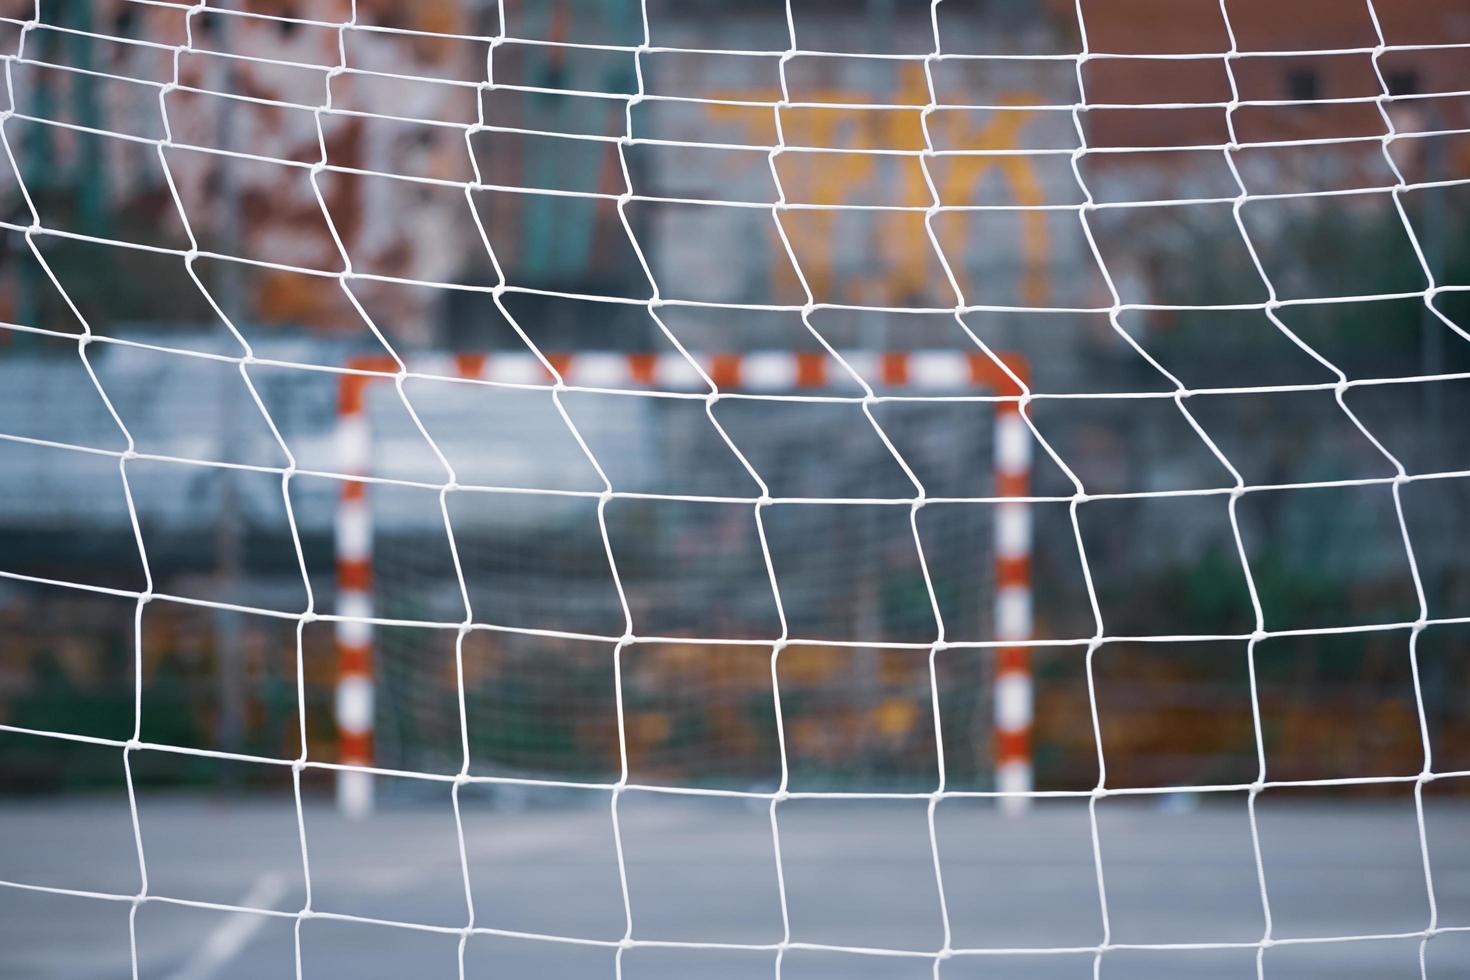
84, 142
137, 129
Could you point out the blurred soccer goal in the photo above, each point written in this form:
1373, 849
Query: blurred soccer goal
611, 599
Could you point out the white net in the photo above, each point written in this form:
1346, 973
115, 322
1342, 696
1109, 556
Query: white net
892, 488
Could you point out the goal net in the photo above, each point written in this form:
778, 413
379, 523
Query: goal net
968, 487
689, 556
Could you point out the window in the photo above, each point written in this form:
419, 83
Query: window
1403, 82
1302, 85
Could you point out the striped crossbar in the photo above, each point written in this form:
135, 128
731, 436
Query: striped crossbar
753, 371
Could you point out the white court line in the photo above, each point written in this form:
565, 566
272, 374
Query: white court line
230, 937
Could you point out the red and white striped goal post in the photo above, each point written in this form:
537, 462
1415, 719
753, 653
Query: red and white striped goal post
755, 372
